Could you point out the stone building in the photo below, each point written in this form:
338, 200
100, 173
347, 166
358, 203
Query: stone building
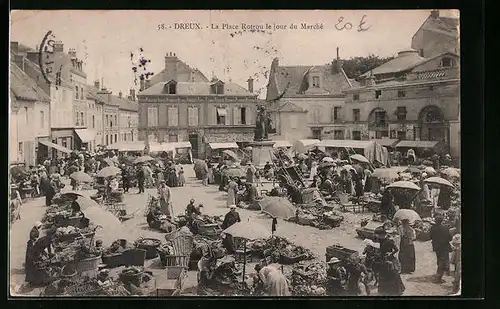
437, 35
95, 115
29, 118
407, 98
129, 117
311, 93
110, 114
181, 104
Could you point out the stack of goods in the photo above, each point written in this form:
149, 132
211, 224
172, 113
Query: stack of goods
318, 217
226, 274
86, 286
201, 241
70, 233
150, 245
112, 256
309, 279
279, 249
211, 219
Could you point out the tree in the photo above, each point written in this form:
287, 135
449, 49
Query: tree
356, 66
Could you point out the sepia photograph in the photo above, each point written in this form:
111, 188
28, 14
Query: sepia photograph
227, 153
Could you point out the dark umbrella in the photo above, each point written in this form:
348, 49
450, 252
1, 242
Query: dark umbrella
277, 207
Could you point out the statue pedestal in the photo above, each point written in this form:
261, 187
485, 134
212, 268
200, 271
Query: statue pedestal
261, 152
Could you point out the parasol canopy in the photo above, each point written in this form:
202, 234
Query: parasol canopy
143, 159
74, 194
231, 154
86, 202
430, 171
360, 158
413, 170
109, 162
111, 226
327, 159
404, 185
248, 230
81, 176
358, 168
409, 214
109, 171
385, 173
234, 172
439, 181
451, 172
348, 167
277, 207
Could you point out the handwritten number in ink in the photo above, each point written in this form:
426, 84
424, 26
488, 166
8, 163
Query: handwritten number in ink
345, 26
361, 23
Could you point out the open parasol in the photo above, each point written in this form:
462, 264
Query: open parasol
86, 202
439, 181
327, 159
143, 159
75, 194
404, 185
109, 162
231, 154
413, 170
451, 172
109, 171
348, 167
409, 214
81, 177
360, 158
429, 170
277, 207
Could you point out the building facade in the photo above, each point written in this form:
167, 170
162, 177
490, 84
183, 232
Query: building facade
418, 100
110, 114
200, 111
96, 115
317, 90
437, 35
129, 117
30, 107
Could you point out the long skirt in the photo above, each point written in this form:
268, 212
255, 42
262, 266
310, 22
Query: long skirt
277, 284
165, 208
407, 258
390, 285
231, 198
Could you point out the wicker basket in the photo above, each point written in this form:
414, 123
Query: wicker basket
112, 260
135, 279
134, 257
338, 252
174, 260
72, 237
151, 250
90, 264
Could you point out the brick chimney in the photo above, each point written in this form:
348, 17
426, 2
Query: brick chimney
147, 84
435, 13
250, 85
171, 66
132, 94
58, 47
120, 94
14, 47
336, 64
72, 53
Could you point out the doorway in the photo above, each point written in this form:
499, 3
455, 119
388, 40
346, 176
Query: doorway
193, 139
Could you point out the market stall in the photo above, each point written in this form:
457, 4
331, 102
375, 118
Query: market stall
303, 146
216, 149
372, 150
182, 153
130, 146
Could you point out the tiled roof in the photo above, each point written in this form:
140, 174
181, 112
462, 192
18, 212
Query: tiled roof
35, 67
450, 22
194, 89
25, 88
293, 80
123, 103
128, 105
403, 62
182, 67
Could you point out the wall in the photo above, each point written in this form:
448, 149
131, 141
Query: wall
293, 126
320, 110
111, 131
128, 132
80, 103
13, 135
436, 43
41, 128
61, 109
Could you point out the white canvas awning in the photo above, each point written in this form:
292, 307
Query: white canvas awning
302, 146
282, 144
128, 146
159, 147
223, 145
222, 112
345, 144
86, 135
417, 144
55, 146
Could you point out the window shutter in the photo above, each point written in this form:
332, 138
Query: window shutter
212, 115
228, 114
236, 115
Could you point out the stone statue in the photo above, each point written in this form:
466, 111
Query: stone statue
263, 124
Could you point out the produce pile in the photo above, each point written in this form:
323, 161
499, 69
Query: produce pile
318, 217
200, 241
309, 279
226, 272
61, 232
118, 246
456, 194
211, 219
277, 247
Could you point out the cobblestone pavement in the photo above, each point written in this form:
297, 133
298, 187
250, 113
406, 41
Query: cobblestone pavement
417, 284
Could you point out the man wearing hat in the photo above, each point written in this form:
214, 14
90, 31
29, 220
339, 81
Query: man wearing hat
165, 199
231, 218
337, 277
441, 237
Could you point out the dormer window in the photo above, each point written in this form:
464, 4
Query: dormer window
447, 62
315, 81
170, 87
217, 87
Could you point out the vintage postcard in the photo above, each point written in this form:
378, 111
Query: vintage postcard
234, 153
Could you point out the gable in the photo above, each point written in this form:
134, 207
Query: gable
434, 63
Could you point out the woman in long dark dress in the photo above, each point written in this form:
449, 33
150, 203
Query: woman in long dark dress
390, 283
388, 248
406, 247
386, 205
358, 185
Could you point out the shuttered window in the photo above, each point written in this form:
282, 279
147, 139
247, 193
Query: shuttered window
236, 115
152, 117
193, 113
173, 116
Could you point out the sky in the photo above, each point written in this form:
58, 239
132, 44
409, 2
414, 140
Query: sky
104, 40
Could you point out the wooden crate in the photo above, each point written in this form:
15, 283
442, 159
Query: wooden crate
172, 287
